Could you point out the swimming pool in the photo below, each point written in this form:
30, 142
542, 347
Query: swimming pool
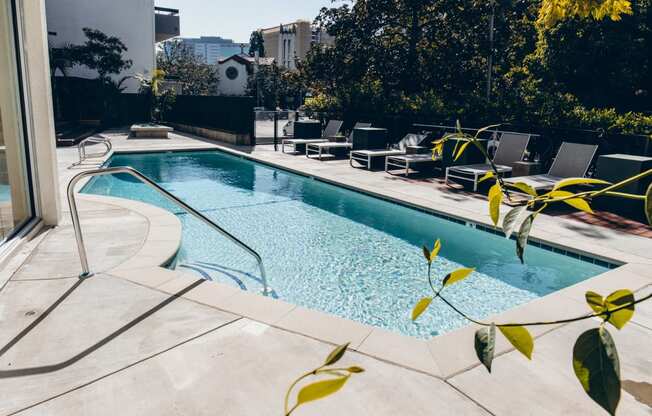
333, 249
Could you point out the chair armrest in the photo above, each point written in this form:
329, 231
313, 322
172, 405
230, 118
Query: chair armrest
413, 150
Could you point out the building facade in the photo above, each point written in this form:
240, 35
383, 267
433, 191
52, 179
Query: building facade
289, 43
212, 49
236, 73
29, 188
137, 23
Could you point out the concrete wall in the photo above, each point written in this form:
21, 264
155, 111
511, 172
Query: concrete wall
236, 86
130, 20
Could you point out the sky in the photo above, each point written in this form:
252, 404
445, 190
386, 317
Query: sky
236, 19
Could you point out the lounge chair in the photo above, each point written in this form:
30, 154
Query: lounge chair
365, 158
325, 147
573, 161
330, 133
511, 148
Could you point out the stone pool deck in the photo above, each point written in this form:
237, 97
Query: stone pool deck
140, 339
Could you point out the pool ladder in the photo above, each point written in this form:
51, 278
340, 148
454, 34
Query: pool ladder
81, 247
81, 149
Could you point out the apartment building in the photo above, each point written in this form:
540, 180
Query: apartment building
137, 23
289, 43
212, 49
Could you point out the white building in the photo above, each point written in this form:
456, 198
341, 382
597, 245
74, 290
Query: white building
212, 49
235, 73
137, 23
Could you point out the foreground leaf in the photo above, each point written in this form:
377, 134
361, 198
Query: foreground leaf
320, 389
495, 198
520, 338
336, 354
524, 187
511, 219
426, 254
616, 299
595, 301
578, 181
523, 234
486, 176
420, 307
485, 345
578, 203
597, 367
456, 276
648, 204
461, 149
435, 251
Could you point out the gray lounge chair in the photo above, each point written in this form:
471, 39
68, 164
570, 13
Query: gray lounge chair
573, 161
330, 133
365, 158
511, 149
324, 148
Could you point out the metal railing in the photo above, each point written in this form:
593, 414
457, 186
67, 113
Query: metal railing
81, 247
81, 148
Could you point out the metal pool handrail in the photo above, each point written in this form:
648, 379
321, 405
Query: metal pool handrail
81, 148
81, 247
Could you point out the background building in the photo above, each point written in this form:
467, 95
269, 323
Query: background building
290, 43
212, 49
236, 72
137, 23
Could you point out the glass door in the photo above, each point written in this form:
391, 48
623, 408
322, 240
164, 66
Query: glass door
16, 206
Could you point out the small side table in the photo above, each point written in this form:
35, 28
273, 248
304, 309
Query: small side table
526, 168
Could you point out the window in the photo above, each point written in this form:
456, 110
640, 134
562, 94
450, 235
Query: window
232, 72
15, 192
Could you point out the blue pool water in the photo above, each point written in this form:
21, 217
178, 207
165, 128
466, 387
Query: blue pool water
335, 250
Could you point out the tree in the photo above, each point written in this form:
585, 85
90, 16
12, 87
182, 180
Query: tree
256, 44
180, 63
279, 87
101, 53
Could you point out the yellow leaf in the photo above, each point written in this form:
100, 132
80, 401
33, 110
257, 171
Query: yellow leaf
524, 187
495, 198
336, 354
578, 203
420, 307
461, 149
520, 338
435, 250
456, 276
486, 176
578, 181
595, 301
320, 389
616, 299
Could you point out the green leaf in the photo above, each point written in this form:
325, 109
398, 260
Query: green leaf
616, 299
597, 367
486, 176
495, 198
520, 338
485, 128
420, 307
458, 126
336, 354
578, 203
595, 301
435, 250
524, 187
648, 204
523, 234
456, 276
511, 219
320, 389
578, 181
485, 345
426, 254
355, 369
461, 149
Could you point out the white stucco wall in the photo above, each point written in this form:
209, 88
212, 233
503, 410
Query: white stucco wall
130, 20
237, 86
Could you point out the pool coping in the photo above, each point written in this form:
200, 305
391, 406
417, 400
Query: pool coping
442, 356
